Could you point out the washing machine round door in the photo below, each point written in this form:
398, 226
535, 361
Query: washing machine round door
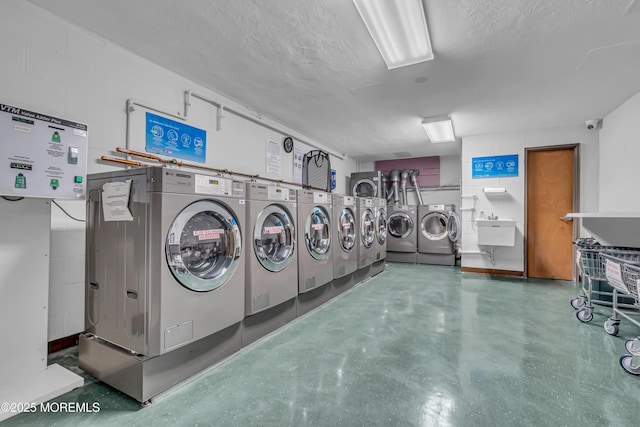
347, 230
434, 225
453, 226
203, 246
317, 233
365, 188
381, 225
273, 238
367, 228
400, 225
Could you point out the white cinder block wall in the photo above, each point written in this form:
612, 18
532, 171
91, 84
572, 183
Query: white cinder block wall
52, 67
619, 154
512, 205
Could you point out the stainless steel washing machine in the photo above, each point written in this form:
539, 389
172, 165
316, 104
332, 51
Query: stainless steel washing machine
345, 250
380, 245
165, 270
272, 266
272, 260
345, 247
402, 237
366, 184
315, 265
367, 231
437, 234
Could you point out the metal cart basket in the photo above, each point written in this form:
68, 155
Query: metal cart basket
592, 268
630, 275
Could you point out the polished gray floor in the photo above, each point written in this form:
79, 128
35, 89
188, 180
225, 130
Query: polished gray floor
415, 346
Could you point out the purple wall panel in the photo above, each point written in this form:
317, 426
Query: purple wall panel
429, 168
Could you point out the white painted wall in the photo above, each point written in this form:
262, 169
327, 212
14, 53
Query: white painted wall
512, 205
52, 67
619, 154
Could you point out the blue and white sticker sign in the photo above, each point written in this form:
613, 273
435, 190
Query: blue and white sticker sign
494, 166
175, 139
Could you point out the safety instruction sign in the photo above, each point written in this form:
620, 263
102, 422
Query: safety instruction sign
175, 139
494, 166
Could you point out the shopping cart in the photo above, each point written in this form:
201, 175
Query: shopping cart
615, 264
630, 276
592, 268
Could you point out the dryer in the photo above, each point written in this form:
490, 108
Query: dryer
366, 232
380, 244
165, 273
402, 237
366, 184
345, 249
272, 260
438, 231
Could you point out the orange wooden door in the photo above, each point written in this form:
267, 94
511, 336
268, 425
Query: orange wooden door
550, 195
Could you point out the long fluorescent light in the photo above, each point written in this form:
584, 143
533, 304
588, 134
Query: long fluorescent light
399, 29
439, 129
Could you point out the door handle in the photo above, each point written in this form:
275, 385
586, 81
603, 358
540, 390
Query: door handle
566, 218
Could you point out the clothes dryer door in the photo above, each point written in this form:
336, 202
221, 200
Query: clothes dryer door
317, 233
367, 228
400, 225
273, 238
365, 188
347, 230
381, 225
203, 246
434, 225
453, 226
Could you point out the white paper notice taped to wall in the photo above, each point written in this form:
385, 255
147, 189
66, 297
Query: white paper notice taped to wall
115, 201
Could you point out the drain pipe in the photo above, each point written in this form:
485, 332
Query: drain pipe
395, 181
385, 187
414, 181
405, 178
490, 253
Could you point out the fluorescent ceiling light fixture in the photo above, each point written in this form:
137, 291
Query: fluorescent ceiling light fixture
399, 29
439, 129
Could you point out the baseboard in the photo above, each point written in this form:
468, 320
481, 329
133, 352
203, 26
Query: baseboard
62, 343
491, 271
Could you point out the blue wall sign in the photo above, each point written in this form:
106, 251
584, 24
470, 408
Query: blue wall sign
175, 139
494, 166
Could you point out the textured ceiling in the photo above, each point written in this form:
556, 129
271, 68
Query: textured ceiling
499, 65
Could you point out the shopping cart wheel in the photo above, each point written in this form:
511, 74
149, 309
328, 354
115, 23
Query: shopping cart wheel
584, 315
633, 346
627, 364
577, 303
611, 326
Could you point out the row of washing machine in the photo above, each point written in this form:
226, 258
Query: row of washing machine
425, 234
184, 269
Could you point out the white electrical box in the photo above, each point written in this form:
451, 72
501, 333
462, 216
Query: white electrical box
41, 155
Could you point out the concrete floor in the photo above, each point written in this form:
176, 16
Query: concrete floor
415, 346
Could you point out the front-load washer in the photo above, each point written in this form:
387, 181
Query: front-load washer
272, 260
165, 271
366, 184
315, 262
402, 237
315, 266
366, 232
437, 234
380, 244
345, 249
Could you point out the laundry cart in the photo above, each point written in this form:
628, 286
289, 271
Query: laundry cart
617, 266
630, 275
592, 269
